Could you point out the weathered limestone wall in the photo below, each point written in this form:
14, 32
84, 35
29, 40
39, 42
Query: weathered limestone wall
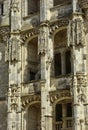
3, 71
3, 115
3, 88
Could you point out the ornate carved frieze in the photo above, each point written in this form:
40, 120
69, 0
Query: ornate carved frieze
75, 32
28, 34
56, 96
12, 49
57, 25
30, 99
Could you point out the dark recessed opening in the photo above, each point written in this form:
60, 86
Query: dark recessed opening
58, 112
68, 62
57, 64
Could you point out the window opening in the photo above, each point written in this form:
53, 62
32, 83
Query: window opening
33, 6
68, 62
58, 112
69, 115
69, 110
32, 75
57, 64
1, 8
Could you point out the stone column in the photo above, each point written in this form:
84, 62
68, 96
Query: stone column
76, 125
44, 51
45, 6
14, 58
75, 6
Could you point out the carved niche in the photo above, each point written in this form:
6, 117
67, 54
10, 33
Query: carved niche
42, 39
12, 49
75, 32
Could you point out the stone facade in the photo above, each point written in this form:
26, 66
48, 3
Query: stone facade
43, 65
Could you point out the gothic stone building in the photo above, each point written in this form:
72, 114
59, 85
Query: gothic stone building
43, 64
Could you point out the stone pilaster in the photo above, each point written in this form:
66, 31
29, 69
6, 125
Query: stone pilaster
45, 6
13, 53
75, 5
45, 47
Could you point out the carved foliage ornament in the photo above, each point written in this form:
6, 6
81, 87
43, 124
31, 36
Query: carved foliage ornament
12, 49
75, 32
81, 84
13, 93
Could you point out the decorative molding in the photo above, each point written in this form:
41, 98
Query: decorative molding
55, 96
57, 25
30, 99
28, 34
